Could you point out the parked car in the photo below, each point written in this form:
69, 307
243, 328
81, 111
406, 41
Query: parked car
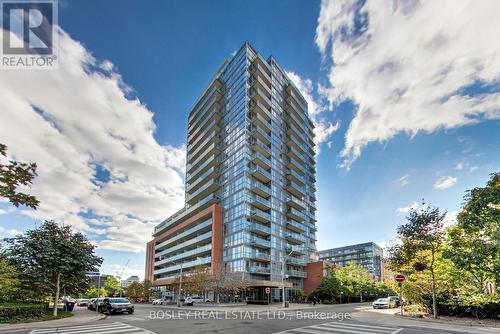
95, 302
197, 299
384, 303
158, 302
188, 301
396, 300
82, 302
117, 305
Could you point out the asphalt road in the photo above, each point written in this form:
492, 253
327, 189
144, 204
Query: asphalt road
344, 319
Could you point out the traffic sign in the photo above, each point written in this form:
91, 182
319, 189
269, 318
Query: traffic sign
400, 278
93, 273
268, 291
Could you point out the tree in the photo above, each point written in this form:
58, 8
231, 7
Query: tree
135, 291
9, 283
147, 289
112, 285
94, 292
472, 243
15, 174
52, 257
421, 240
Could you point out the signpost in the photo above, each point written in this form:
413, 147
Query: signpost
98, 274
268, 291
400, 279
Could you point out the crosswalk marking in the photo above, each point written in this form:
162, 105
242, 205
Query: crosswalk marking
341, 327
104, 328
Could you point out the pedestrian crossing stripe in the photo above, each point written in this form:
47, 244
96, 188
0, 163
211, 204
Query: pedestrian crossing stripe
340, 327
104, 328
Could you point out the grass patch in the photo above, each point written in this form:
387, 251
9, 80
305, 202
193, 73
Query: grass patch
12, 313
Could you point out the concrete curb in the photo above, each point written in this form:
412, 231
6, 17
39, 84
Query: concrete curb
74, 320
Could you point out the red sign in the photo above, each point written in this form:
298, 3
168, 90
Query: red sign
268, 291
400, 278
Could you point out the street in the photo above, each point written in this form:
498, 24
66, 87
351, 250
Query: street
347, 318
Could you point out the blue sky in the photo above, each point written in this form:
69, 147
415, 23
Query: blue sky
398, 122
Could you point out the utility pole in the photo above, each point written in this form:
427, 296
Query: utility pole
283, 264
180, 288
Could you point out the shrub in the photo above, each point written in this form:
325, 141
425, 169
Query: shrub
479, 306
415, 309
11, 312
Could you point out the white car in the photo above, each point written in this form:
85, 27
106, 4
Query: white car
384, 303
157, 302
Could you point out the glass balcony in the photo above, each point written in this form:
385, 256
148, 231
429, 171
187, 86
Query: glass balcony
210, 162
294, 153
259, 242
293, 92
214, 90
260, 202
203, 191
260, 256
294, 249
259, 146
297, 273
259, 229
261, 122
299, 261
184, 255
260, 69
260, 189
295, 202
259, 270
186, 244
258, 133
213, 138
294, 176
211, 114
261, 101
296, 226
200, 132
295, 238
210, 173
261, 160
211, 150
185, 265
295, 189
260, 215
257, 81
295, 214
260, 173
196, 229
292, 163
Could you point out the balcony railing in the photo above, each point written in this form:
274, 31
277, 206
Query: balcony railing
296, 226
295, 189
260, 215
260, 188
260, 159
261, 202
260, 121
300, 261
190, 253
257, 132
187, 233
188, 243
295, 237
259, 242
258, 270
200, 178
258, 228
259, 146
208, 187
295, 202
297, 273
185, 265
260, 173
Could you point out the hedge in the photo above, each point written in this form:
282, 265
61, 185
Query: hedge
11, 312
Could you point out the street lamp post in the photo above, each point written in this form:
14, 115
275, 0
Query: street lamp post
283, 264
180, 288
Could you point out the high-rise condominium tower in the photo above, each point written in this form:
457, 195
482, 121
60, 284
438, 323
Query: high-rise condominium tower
250, 187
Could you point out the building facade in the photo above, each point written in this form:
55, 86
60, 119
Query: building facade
250, 182
369, 255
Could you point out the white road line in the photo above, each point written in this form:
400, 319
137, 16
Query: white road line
104, 328
341, 327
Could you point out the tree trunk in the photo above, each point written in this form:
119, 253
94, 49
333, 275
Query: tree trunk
56, 295
434, 302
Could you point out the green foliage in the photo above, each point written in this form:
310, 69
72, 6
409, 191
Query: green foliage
112, 285
15, 174
473, 243
420, 241
9, 283
12, 312
94, 292
351, 282
50, 257
135, 291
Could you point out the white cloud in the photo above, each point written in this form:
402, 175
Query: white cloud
323, 128
445, 182
450, 218
413, 206
461, 165
11, 232
78, 121
404, 180
406, 65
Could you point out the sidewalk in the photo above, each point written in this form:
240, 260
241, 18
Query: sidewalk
241, 307
390, 318
81, 315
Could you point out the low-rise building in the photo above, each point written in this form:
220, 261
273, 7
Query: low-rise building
126, 283
368, 255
